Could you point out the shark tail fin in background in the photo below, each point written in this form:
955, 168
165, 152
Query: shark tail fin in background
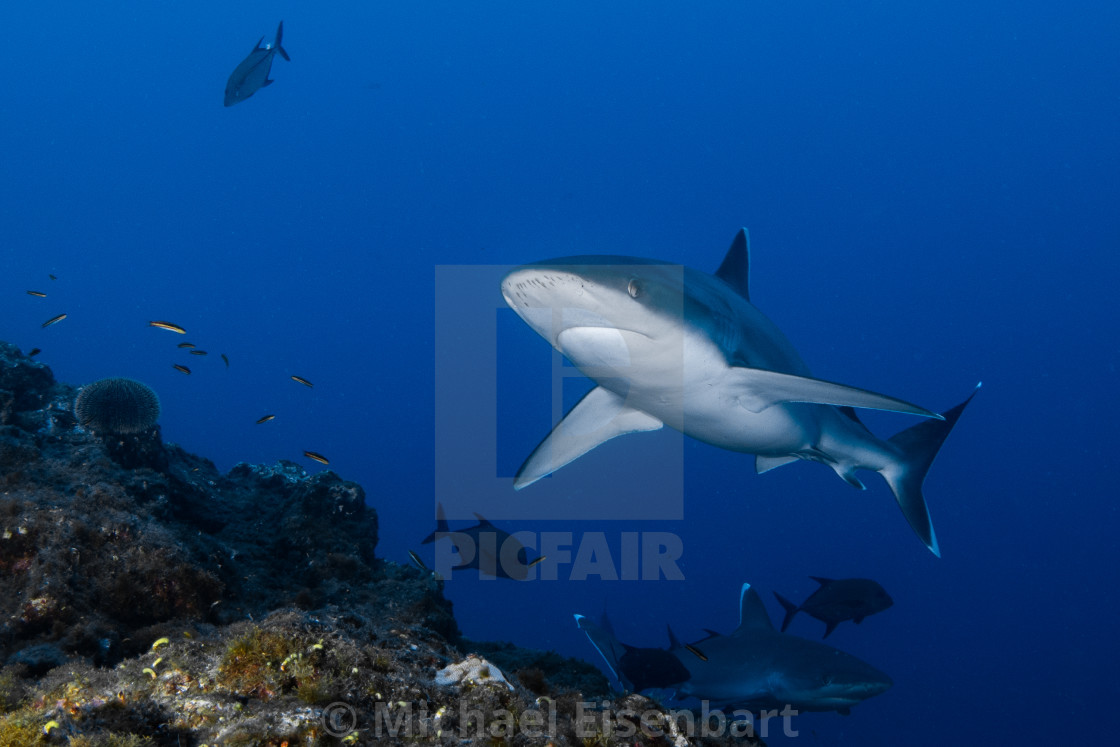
919, 445
790, 608
602, 638
279, 38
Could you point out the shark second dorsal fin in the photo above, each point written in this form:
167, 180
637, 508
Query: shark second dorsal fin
736, 266
752, 613
673, 642
821, 580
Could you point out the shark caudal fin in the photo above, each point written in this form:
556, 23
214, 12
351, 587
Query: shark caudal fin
790, 608
602, 638
919, 445
279, 38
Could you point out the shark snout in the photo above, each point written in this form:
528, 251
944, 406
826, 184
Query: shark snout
861, 688
529, 287
552, 300
873, 688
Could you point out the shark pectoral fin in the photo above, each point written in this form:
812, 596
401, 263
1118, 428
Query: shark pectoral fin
767, 463
600, 416
757, 389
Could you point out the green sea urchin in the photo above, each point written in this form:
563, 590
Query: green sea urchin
117, 405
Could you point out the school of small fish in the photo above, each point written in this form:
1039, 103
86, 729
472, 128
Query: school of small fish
191, 349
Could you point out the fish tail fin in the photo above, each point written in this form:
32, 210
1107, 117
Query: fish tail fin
442, 527
602, 638
919, 445
279, 38
790, 608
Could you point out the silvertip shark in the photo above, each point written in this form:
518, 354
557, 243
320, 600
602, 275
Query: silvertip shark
670, 345
251, 74
754, 667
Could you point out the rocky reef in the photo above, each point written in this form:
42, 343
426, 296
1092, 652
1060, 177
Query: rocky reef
148, 599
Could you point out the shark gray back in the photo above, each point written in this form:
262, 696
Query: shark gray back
252, 73
670, 345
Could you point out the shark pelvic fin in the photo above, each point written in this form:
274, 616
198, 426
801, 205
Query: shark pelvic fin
752, 613
759, 389
600, 416
736, 266
919, 445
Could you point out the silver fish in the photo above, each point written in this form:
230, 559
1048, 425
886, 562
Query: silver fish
252, 74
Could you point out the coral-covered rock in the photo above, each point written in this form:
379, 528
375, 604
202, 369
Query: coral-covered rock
132, 572
25, 384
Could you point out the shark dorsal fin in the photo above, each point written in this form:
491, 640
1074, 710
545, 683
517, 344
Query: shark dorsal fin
821, 580
673, 642
752, 613
482, 520
735, 270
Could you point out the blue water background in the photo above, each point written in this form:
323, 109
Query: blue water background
931, 191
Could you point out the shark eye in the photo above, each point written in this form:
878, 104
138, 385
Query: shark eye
634, 288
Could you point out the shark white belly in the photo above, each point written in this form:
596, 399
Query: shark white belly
670, 345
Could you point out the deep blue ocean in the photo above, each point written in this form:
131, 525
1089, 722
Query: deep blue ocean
931, 191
